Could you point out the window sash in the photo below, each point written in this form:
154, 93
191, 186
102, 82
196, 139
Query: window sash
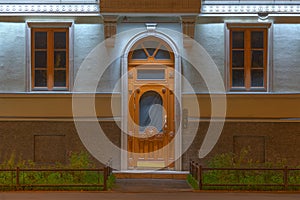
247, 76
57, 71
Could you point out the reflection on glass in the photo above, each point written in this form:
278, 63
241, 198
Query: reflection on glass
257, 78
59, 78
60, 40
151, 111
40, 40
257, 39
40, 79
257, 59
237, 58
238, 79
139, 54
150, 44
60, 59
40, 59
151, 51
151, 74
237, 40
162, 55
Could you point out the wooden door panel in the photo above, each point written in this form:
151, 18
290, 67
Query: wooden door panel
151, 147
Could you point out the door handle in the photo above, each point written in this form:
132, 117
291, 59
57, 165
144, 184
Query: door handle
165, 121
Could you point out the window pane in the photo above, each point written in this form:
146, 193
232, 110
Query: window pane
151, 74
40, 59
40, 79
151, 111
238, 79
60, 78
257, 78
257, 39
60, 59
162, 54
151, 44
258, 59
237, 58
237, 40
151, 51
40, 40
60, 40
139, 54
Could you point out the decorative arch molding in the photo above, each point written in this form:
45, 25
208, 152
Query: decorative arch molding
124, 86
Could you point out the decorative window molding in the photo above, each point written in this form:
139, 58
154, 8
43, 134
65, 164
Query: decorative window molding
49, 56
248, 57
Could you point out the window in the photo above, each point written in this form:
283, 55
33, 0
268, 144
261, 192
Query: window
50, 58
248, 58
151, 111
151, 74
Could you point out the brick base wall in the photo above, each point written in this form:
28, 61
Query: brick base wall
50, 142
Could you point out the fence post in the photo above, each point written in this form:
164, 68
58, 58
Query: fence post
17, 178
105, 176
191, 168
285, 177
199, 177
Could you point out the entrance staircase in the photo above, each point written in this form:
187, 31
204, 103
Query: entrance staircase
151, 181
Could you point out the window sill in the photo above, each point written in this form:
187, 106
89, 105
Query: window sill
45, 90
251, 90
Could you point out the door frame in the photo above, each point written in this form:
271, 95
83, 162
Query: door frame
124, 95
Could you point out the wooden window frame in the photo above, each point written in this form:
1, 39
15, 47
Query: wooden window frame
55, 26
50, 58
247, 29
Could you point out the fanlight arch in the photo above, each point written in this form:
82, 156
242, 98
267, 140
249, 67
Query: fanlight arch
151, 50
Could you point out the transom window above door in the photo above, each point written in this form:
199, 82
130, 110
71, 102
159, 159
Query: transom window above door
151, 60
151, 50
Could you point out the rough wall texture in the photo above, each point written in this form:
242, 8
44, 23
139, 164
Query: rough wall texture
266, 142
49, 142
46, 142
286, 58
12, 57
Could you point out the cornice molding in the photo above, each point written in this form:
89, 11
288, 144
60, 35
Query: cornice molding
250, 9
40, 9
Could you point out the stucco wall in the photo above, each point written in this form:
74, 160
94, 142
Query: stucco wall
12, 57
211, 38
286, 58
284, 76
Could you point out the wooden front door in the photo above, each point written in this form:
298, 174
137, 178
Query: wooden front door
151, 128
151, 124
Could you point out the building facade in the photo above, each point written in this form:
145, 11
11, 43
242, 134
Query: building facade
150, 84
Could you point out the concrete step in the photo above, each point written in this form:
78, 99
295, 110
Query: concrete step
144, 174
151, 185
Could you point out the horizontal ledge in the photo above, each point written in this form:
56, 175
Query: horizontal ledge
252, 120
119, 119
250, 8
58, 119
14, 9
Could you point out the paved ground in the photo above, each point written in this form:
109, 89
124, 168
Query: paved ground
151, 185
146, 196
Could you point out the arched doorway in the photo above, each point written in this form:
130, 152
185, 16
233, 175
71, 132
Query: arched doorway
151, 108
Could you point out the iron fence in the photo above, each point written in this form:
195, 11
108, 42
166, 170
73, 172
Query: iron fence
283, 181
22, 179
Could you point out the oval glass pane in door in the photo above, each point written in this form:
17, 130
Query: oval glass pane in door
151, 111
